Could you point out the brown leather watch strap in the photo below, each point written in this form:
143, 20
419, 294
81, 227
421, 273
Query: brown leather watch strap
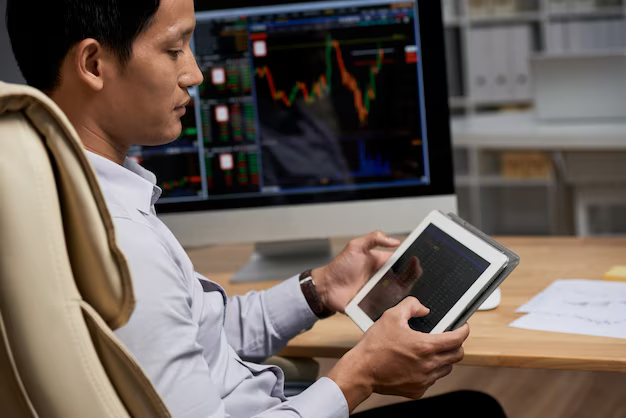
307, 285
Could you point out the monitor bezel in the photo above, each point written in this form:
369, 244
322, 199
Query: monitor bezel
436, 115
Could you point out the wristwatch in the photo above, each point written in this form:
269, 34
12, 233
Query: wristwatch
307, 285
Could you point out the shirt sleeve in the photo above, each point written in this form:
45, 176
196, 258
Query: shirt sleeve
259, 324
161, 332
323, 399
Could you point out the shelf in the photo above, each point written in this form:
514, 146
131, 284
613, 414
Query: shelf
591, 14
523, 17
599, 53
521, 130
505, 102
500, 181
496, 180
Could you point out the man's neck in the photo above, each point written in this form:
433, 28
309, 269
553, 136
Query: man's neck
98, 143
93, 137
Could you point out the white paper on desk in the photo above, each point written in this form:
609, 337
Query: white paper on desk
591, 300
578, 306
571, 325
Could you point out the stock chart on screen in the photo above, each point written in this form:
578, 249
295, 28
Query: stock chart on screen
300, 98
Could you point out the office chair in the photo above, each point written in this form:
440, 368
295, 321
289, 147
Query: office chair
64, 284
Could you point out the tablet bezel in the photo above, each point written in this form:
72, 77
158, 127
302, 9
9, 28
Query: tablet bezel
496, 259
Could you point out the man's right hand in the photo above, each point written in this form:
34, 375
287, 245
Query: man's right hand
393, 359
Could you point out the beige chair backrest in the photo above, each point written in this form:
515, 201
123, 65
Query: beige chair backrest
64, 284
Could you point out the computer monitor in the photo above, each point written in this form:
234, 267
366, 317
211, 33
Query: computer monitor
314, 120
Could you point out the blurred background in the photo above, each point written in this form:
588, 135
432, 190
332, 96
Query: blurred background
538, 97
538, 113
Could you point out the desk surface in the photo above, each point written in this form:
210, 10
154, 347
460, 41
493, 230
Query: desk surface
492, 342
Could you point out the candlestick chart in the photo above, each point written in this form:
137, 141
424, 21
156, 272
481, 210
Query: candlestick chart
362, 95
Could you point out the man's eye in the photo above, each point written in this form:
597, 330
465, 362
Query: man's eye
175, 53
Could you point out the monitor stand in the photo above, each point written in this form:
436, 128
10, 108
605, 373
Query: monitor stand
284, 259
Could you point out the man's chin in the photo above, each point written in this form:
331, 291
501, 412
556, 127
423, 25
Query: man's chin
177, 129
165, 138
157, 142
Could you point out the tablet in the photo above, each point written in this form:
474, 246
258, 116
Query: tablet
445, 266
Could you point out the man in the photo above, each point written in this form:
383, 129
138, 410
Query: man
120, 71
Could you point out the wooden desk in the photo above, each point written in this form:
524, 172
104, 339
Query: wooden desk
492, 342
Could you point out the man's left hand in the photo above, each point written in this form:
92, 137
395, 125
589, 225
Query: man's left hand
339, 281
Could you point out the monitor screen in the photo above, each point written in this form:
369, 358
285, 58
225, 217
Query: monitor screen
308, 102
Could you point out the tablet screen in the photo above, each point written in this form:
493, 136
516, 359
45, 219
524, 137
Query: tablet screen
436, 269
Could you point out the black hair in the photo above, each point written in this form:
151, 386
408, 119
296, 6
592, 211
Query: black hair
43, 31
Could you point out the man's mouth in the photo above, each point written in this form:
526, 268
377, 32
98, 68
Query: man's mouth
183, 105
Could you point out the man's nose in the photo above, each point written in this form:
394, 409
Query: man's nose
193, 76
197, 76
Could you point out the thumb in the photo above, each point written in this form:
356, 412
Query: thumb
410, 307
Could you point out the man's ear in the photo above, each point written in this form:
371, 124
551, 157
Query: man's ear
89, 63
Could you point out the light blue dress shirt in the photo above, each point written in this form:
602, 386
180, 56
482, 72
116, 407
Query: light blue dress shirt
187, 335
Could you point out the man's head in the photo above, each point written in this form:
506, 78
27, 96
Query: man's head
120, 69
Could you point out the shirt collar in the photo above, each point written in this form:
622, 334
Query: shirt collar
129, 184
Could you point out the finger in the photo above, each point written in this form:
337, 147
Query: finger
375, 239
441, 372
409, 308
450, 357
449, 340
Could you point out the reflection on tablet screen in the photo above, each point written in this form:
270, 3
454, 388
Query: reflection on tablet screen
436, 269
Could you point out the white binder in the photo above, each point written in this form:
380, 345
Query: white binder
595, 32
554, 38
612, 35
574, 36
618, 34
520, 50
601, 31
586, 36
479, 60
500, 70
